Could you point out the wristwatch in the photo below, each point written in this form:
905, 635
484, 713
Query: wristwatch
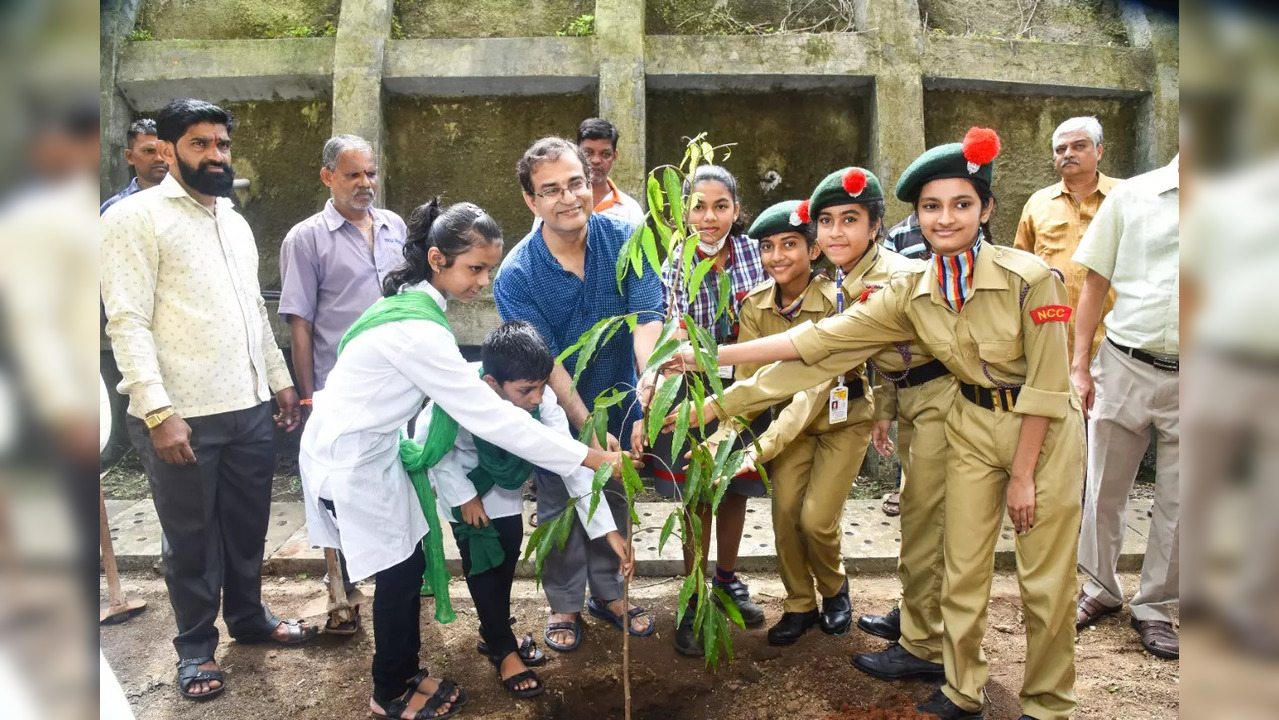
154, 419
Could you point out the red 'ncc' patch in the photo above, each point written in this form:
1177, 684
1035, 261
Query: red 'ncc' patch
1051, 313
867, 292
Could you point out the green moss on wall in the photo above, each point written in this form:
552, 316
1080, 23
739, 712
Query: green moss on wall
237, 19
800, 135
1025, 125
747, 17
491, 18
276, 145
1084, 22
466, 149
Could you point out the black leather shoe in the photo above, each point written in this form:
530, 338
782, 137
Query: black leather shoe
752, 613
837, 612
941, 706
1027, 717
887, 626
686, 642
896, 663
791, 626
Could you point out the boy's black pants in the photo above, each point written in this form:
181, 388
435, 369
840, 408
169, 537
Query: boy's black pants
491, 590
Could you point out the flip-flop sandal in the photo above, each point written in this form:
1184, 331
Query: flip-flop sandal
296, 634
462, 696
892, 504
575, 626
189, 674
394, 710
599, 609
529, 652
343, 628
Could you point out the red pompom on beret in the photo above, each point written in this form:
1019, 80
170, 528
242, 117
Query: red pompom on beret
854, 181
802, 211
981, 145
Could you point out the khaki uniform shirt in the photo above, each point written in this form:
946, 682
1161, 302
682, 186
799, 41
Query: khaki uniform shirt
997, 338
1052, 224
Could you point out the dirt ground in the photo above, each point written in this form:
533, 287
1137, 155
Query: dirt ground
328, 679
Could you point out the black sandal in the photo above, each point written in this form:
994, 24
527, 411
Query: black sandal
189, 673
528, 651
394, 710
510, 682
443, 692
296, 634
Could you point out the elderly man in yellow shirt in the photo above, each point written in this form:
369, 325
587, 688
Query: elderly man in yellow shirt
1056, 217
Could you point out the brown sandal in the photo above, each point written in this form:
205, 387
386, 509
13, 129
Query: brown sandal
892, 506
1089, 610
1159, 638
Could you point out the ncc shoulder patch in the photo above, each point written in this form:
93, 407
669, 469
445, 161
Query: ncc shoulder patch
1051, 313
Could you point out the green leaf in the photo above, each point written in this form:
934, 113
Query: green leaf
663, 352
725, 474
624, 260
729, 606
708, 152
698, 275
602, 474
725, 294
636, 249
564, 524
674, 194
664, 232
656, 204
697, 467
608, 398
710, 639
661, 405
649, 244
685, 592
694, 156
697, 393
667, 528
534, 539
590, 346
596, 329
630, 478
681, 432
687, 254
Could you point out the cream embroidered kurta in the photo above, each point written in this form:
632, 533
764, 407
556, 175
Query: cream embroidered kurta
185, 314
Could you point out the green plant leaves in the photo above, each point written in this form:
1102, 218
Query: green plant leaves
729, 606
656, 203
667, 528
661, 405
602, 474
674, 194
680, 434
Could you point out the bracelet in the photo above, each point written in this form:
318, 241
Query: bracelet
305, 401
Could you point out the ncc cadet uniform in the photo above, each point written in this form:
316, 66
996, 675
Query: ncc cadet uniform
808, 455
1006, 346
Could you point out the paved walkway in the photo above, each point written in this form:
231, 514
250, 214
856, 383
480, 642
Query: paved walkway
871, 539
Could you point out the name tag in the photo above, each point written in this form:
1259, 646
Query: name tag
838, 404
725, 372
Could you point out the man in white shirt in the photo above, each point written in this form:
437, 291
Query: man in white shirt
1132, 246
199, 363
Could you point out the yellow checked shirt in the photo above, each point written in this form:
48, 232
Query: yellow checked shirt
1052, 224
997, 337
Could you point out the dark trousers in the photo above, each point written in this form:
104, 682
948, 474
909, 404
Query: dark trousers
397, 632
214, 515
491, 590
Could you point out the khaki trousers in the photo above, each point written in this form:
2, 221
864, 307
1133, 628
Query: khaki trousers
921, 443
1131, 397
811, 478
981, 447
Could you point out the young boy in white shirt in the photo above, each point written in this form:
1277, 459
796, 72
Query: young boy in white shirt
479, 491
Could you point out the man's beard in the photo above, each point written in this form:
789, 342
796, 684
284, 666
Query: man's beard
202, 181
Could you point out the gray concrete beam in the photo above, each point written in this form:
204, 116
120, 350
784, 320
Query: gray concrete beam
897, 133
1036, 68
490, 66
151, 74
359, 53
708, 57
619, 47
1157, 136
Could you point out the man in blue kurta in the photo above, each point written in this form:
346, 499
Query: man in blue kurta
562, 279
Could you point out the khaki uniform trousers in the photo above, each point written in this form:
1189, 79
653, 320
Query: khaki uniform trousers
981, 447
921, 439
1131, 397
811, 478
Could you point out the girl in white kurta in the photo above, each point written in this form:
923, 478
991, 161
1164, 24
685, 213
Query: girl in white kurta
361, 498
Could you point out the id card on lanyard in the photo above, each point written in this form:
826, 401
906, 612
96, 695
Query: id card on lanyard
839, 394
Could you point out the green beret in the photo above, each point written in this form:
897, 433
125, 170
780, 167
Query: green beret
842, 187
779, 218
974, 158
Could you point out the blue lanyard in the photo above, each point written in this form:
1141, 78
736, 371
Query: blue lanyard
839, 301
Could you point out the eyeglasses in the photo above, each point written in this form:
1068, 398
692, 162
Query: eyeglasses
574, 187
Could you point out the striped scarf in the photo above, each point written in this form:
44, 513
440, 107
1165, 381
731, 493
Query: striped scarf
790, 311
955, 275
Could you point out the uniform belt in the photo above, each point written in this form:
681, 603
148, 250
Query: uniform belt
1158, 362
990, 398
924, 373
